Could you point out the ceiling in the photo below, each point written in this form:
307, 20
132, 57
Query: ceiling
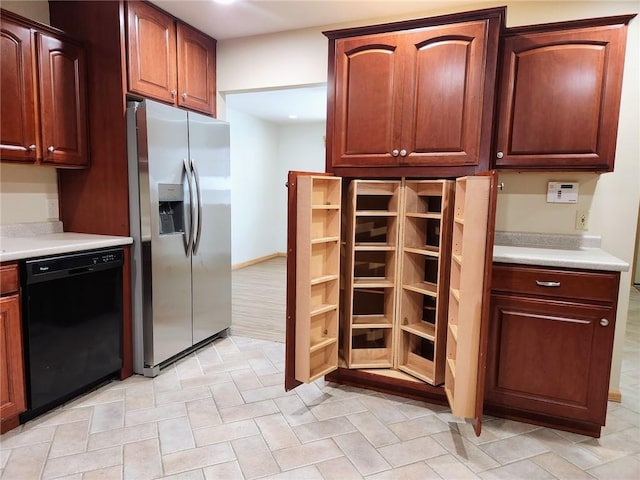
283, 106
255, 17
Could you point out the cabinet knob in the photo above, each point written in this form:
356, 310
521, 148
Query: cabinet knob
173, 93
403, 153
604, 322
499, 154
51, 148
32, 147
184, 96
395, 153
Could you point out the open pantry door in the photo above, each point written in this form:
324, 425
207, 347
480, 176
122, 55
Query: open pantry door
469, 294
313, 276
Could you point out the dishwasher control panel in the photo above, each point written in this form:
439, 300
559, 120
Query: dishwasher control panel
74, 263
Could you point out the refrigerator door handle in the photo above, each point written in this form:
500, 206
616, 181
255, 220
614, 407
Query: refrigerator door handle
189, 243
196, 176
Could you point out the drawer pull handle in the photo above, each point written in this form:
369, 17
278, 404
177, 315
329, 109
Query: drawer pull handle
604, 322
547, 284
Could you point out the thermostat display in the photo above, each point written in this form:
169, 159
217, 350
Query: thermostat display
562, 192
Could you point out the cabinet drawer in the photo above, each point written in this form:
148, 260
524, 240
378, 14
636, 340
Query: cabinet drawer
557, 283
8, 279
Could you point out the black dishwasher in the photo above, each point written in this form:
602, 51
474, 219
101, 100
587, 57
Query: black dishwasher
72, 325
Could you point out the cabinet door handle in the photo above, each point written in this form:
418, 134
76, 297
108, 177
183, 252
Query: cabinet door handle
32, 147
547, 284
604, 322
395, 153
184, 96
403, 153
173, 93
499, 155
51, 148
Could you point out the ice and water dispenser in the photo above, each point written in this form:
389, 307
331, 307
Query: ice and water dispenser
171, 208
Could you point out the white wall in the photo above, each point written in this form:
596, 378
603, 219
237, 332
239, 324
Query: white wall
254, 145
300, 147
262, 153
25, 194
37, 10
26, 191
300, 57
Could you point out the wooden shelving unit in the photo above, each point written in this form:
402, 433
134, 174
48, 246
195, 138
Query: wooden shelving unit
317, 275
370, 273
425, 238
465, 292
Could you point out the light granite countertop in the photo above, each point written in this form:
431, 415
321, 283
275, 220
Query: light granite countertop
21, 241
567, 251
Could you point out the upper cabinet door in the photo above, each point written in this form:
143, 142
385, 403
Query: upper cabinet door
63, 102
151, 45
415, 97
313, 276
196, 70
368, 95
444, 95
18, 133
559, 98
470, 292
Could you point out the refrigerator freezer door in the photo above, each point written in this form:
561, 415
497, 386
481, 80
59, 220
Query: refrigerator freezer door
168, 290
211, 259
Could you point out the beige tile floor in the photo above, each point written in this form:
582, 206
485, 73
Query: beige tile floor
222, 413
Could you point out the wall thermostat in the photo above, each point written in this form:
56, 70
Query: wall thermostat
562, 192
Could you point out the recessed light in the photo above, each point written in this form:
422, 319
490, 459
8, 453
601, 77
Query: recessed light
293, 116
224, 2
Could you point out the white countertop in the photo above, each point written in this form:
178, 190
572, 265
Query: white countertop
21, 247
586, 258
555, 250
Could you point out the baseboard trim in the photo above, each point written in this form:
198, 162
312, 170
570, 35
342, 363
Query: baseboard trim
615, 396
264, 258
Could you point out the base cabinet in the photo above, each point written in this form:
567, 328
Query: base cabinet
550, 343
12, 385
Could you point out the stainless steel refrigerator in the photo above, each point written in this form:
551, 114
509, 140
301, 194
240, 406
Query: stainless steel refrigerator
180, 215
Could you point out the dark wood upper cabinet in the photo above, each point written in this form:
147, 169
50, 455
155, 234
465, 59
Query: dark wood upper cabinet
168, 60
19, 133
196, 70
368, 100
63, 102
443, 95
559, 95
44, 110
152, 52
412, 95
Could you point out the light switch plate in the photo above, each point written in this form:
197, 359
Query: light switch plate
562, 192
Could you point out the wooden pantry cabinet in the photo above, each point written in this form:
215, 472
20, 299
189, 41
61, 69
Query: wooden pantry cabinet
412, 95
44, 100
370, 300
559, 95
550, 345
12, 383
168, 60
